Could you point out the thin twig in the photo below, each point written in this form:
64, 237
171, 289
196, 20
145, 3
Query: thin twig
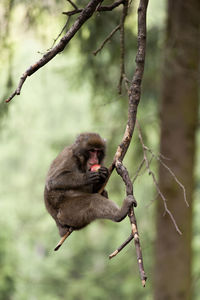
72, 12
138, 170
106, 40
59, 35
73, 4
155, 180
112, 6
127, 82
122, 246
122, 45
158, 157
84, 16
99, 9
176, 179
165, 202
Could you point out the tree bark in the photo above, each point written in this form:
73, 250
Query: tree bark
179, 116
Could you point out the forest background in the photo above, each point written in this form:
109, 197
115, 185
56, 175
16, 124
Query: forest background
77, 92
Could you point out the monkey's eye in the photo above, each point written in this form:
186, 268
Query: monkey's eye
92, 150
100, 154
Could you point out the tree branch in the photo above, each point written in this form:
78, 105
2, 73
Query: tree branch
86, 13
122, 171
122, 246
108, 38
155, 181
134, 91
73, 4
122, 45
100, 8
134, 94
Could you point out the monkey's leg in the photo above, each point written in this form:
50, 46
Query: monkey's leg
74, 211
79, 211
103, 208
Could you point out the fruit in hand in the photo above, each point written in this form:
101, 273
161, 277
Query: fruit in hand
95, 168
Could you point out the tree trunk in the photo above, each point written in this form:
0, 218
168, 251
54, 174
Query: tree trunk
179, 113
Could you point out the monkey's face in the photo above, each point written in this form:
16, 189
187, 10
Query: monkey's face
89, 149
94, 157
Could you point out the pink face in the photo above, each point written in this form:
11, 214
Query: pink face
93, 158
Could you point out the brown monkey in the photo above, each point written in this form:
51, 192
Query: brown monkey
71, 190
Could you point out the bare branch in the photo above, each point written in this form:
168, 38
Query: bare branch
154, 179
86, 13
158, 157
72, 4
176, 179
73, 12
165, 202
106, 40
100, 8
59, 35
69, 231
134, 94
122, 45
134, 91
122, 246
112, 6
122, 171
138, 170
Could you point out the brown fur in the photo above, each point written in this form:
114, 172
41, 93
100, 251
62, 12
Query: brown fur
70, 193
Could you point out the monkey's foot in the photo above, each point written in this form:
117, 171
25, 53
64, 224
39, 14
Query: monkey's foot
131, 200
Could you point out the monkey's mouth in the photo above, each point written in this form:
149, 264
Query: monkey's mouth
95, 167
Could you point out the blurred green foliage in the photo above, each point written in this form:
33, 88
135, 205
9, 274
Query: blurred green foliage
75, 92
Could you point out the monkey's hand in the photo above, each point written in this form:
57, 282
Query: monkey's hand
103, 173
92, 177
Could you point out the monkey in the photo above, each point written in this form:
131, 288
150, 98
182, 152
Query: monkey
71, 189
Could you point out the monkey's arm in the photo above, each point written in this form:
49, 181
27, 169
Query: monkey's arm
72, 180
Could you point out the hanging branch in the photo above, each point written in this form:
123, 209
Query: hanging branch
155, 180
122, 45
147, 162
134, 91
86, 13
134, 94
121, 170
